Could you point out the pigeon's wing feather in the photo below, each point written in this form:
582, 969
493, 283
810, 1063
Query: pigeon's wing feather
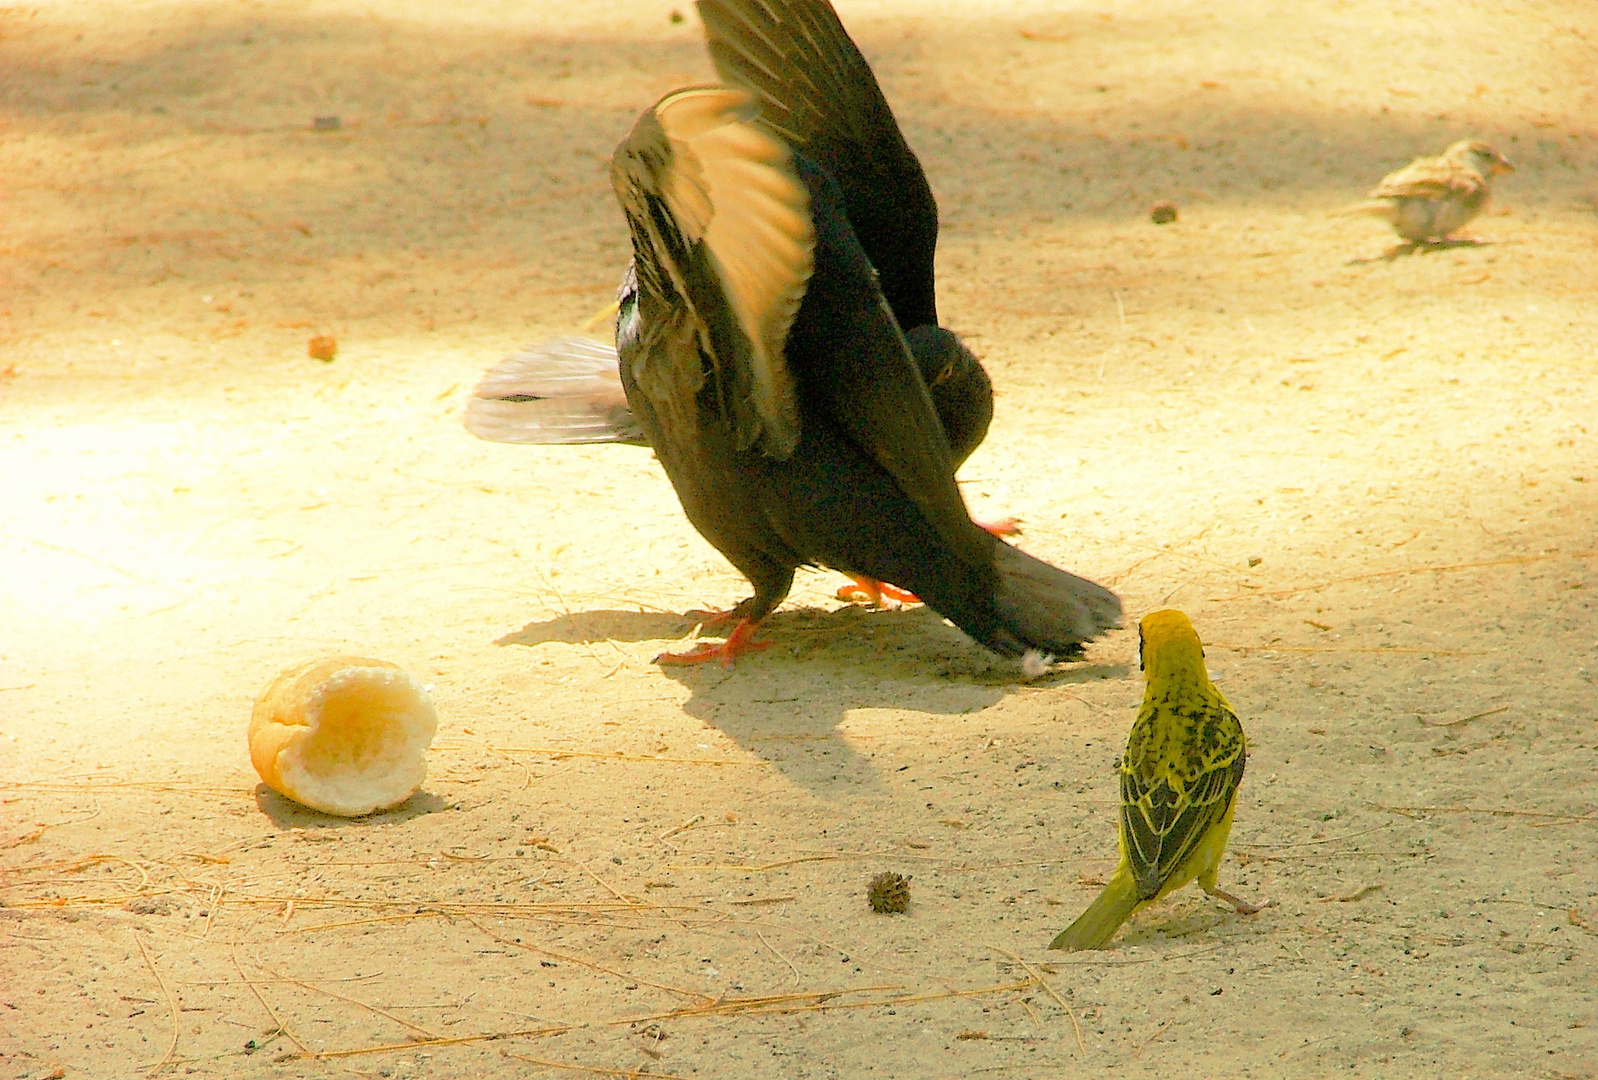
815, 90
721, 230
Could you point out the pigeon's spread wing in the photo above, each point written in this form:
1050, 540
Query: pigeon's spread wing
567, 390
1177, 781
721, 229
1429, 178
815, 90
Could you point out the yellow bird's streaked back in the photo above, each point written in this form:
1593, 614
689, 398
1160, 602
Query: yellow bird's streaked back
1179, 777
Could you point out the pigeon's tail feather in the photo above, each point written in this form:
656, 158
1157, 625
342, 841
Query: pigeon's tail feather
1046, 609
567, 390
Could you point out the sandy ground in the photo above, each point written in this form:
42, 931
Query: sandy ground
634, 871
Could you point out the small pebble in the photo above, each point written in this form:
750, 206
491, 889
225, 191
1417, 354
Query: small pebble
1255, 560
322, 347
1162, 213
326, 123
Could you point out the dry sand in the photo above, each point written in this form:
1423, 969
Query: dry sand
668, 867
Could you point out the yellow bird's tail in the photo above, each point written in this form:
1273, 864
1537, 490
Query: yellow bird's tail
1104, 916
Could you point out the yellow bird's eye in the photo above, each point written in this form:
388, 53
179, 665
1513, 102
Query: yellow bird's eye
945, 375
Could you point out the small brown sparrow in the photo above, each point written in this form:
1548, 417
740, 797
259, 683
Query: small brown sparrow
1431, 197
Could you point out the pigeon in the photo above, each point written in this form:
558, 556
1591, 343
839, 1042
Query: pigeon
766, 367
1430, 198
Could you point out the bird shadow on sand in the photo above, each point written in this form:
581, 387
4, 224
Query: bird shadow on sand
1418, 247
786, 703
587, 627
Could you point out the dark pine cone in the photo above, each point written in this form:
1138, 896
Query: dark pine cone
889, 894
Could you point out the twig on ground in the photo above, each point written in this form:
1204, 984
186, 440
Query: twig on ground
781, 1003
597, 1070
617, 893
1349, 649
400, 1020
277, 1021
1137, 1051
1464, 720
362, 922
583, 963
779, 955
617, 755
171, 1003
1066, 1005
684, 827
456, 1040
1411, 811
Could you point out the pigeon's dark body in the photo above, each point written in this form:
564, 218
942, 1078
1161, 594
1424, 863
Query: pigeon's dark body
828, 503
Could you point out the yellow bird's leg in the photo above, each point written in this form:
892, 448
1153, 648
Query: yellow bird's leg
1206, 881
1239, 905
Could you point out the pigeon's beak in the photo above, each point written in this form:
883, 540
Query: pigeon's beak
1502, 165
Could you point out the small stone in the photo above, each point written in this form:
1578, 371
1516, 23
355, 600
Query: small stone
1255, 560
675, 16
1162, 213
326, 123
322, 347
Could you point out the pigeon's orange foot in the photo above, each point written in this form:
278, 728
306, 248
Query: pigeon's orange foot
740, 641
872, 592
1002, 527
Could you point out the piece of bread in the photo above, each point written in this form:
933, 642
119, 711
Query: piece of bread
346, 735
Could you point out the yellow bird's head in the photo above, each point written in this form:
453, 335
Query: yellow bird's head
1167, 645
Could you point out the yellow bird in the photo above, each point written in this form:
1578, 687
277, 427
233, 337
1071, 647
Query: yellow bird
1184, 760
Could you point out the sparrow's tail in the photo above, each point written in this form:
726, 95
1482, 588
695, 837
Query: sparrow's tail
1095, 926
1373, 207
567, 390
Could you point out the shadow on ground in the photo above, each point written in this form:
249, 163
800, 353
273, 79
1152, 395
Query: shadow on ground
287, 814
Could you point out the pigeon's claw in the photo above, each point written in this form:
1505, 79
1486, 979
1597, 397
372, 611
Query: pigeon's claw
1002, 527
740, 641
870, 591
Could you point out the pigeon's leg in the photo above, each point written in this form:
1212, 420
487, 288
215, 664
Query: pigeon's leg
865, 590
772, 582
740, 641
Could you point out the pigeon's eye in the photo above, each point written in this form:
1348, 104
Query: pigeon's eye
945, 375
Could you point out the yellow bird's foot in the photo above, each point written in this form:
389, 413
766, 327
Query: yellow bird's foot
1239, 905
